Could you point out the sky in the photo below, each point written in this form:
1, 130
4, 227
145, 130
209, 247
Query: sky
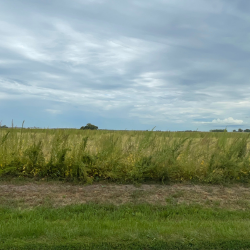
134, 64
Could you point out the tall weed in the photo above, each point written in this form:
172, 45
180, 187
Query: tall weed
125, 156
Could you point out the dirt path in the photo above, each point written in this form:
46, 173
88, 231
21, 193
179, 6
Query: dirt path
60, 194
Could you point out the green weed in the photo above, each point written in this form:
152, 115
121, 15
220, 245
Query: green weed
125, 156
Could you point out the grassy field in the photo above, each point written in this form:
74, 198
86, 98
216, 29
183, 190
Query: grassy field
129, 226
125, 156
143, 216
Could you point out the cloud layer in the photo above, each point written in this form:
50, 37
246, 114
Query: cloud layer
137, 64
227, 121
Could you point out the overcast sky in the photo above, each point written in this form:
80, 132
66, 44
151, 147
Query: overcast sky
134, 64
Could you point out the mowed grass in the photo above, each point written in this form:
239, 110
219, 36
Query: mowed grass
93, 226
125, 156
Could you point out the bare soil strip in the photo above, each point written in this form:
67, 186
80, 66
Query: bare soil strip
61, 194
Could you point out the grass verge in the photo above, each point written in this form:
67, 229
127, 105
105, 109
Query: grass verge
143, 226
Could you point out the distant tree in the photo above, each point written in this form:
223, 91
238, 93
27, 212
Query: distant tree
247, 130
218, 130
234, 130
89, 126
4, 126
240, 130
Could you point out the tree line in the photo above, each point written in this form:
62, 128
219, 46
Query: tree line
93, 127
225, 130
241, 130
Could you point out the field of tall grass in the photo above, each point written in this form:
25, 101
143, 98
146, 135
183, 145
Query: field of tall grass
125, 156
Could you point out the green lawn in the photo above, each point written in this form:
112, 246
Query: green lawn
93, 226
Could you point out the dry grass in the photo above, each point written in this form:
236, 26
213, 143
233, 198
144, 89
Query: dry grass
58, 194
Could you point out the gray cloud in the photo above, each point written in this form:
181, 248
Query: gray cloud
133, 64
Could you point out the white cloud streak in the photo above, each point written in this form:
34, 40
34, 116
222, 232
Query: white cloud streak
165, 63
227, 121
